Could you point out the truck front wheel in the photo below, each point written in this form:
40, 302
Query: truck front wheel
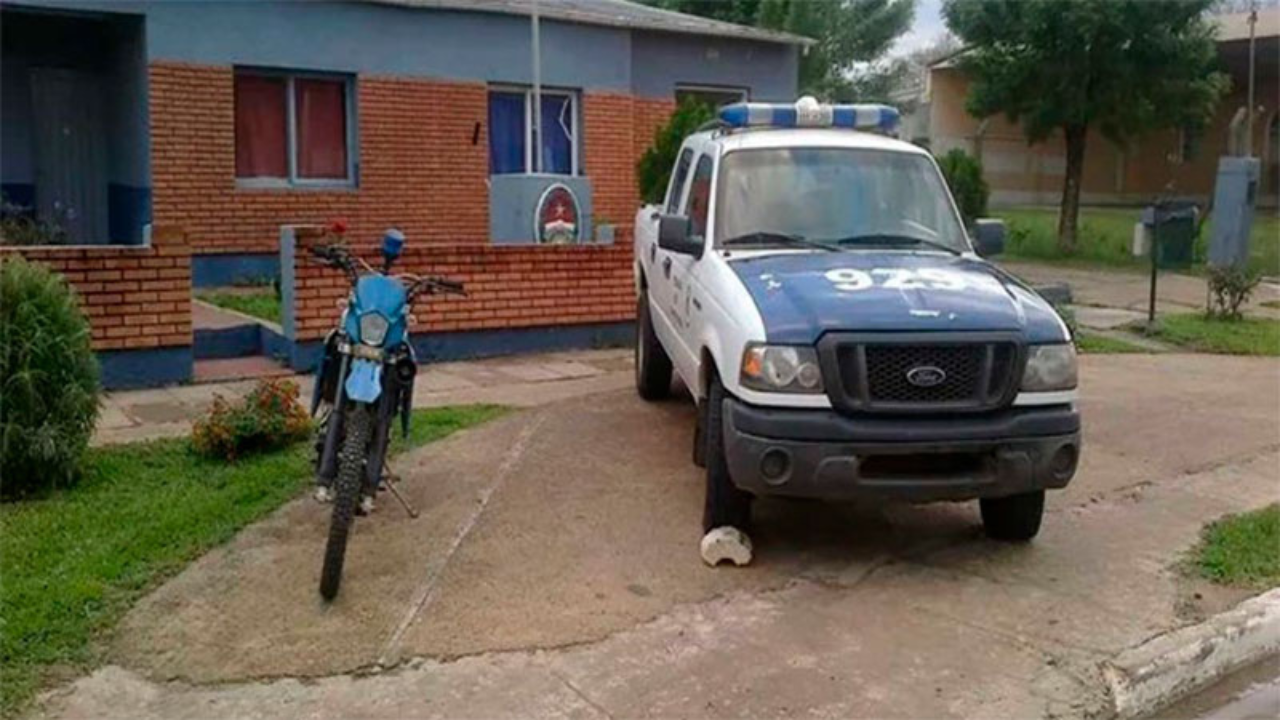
725, 503
1014, 518
653, 367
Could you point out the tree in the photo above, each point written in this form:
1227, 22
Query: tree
653, 170
1126, 67
848, 34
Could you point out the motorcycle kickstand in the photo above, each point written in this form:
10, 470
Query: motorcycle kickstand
387, 482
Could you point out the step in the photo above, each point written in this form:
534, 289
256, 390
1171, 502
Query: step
239, 368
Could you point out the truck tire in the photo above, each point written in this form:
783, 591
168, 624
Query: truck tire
351, 460
725, 503
653, 367
1015, 518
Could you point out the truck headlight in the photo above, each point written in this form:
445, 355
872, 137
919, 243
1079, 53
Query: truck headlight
373, 328
781, 368
1050, 367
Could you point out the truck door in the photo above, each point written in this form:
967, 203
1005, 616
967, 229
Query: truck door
660, 262
696, 205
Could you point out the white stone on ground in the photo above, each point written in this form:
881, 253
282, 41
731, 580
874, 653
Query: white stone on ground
726, 544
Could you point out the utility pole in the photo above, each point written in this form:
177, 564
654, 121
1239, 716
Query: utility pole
537, 92
1253, 22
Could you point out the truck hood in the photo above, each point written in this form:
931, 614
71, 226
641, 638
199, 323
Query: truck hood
802, 295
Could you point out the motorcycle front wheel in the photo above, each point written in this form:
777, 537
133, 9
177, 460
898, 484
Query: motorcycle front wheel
351, 462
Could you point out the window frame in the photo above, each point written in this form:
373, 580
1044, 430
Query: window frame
679, 179
293, 180
743, 92
575, 142
694, 169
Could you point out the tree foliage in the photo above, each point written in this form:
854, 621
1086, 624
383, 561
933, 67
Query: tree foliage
848, 35
1125, 67
653, 170
963, 173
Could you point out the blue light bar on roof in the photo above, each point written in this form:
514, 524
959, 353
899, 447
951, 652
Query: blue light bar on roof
808, 112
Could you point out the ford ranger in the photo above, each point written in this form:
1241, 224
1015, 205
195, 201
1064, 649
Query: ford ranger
811, 282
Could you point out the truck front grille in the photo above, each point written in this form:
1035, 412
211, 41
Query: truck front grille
911, 373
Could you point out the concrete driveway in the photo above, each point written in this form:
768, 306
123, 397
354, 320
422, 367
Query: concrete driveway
554, 572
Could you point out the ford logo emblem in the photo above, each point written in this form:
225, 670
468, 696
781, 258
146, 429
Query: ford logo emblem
926, 376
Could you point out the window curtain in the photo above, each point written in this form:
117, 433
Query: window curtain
506, 133
557, 135
261, 140
321, 110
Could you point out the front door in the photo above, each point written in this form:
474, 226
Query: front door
70, 153
696, 206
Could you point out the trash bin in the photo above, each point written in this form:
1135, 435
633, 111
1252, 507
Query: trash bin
1173, 229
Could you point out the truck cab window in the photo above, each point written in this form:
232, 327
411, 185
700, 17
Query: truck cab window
677, 181
700, 196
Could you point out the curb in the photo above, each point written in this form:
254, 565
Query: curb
1168, 667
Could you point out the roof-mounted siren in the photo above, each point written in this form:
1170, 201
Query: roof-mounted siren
808, 112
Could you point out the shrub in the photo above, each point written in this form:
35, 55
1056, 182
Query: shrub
1229, 289
653, 171
269, 417
964, 176
48, 379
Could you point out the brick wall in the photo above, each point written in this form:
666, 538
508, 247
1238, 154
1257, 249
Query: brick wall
419, 167
423, 155
135, 297
508, 286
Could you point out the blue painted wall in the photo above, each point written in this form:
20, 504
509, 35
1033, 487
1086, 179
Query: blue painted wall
122, 369
221, 270
488, 47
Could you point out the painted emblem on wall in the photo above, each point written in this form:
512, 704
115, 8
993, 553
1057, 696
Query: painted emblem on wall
557, 220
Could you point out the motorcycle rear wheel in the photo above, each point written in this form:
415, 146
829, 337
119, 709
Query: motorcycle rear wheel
351, 462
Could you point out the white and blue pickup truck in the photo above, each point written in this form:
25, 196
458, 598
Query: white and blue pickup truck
814, 287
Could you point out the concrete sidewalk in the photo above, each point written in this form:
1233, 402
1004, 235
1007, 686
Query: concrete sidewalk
521, 381
554, 572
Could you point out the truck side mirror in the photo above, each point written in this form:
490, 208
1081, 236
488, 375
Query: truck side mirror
988, 237
674, 235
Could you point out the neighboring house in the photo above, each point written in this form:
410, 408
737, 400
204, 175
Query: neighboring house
1182, 163
172, 140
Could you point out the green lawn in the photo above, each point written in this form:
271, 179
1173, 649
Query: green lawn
1092, 344
1241, 550
73, 562
1247, 336
1106, 236
262, 304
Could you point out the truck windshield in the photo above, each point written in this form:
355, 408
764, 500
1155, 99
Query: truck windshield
840, 197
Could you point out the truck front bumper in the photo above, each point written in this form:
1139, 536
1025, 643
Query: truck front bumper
823, 454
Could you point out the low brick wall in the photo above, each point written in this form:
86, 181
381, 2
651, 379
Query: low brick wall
135, 297
508, 287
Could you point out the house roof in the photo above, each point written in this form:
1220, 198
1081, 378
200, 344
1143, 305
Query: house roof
1235, 26
610, 13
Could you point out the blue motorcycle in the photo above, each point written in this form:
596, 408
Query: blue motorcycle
364, 380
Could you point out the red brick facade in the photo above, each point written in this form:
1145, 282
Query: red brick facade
419, 167
423, 153
135, 298
508, 286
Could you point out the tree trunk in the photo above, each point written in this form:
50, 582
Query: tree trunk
1070, 206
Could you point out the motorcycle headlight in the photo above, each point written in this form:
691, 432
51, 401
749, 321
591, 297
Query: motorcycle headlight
373, 328
781, 368
1050, 367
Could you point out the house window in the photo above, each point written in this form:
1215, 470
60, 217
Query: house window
294, 129
1189, 143
512, 136
713, 95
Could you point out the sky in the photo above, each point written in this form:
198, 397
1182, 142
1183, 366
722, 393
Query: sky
928, 26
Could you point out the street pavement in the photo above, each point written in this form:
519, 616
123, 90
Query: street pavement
554, 572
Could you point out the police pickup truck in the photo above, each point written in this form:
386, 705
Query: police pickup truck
812, 284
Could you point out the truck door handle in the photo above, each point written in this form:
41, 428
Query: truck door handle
666, 267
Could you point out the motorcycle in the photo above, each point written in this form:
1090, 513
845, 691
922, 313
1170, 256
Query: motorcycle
365, 378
